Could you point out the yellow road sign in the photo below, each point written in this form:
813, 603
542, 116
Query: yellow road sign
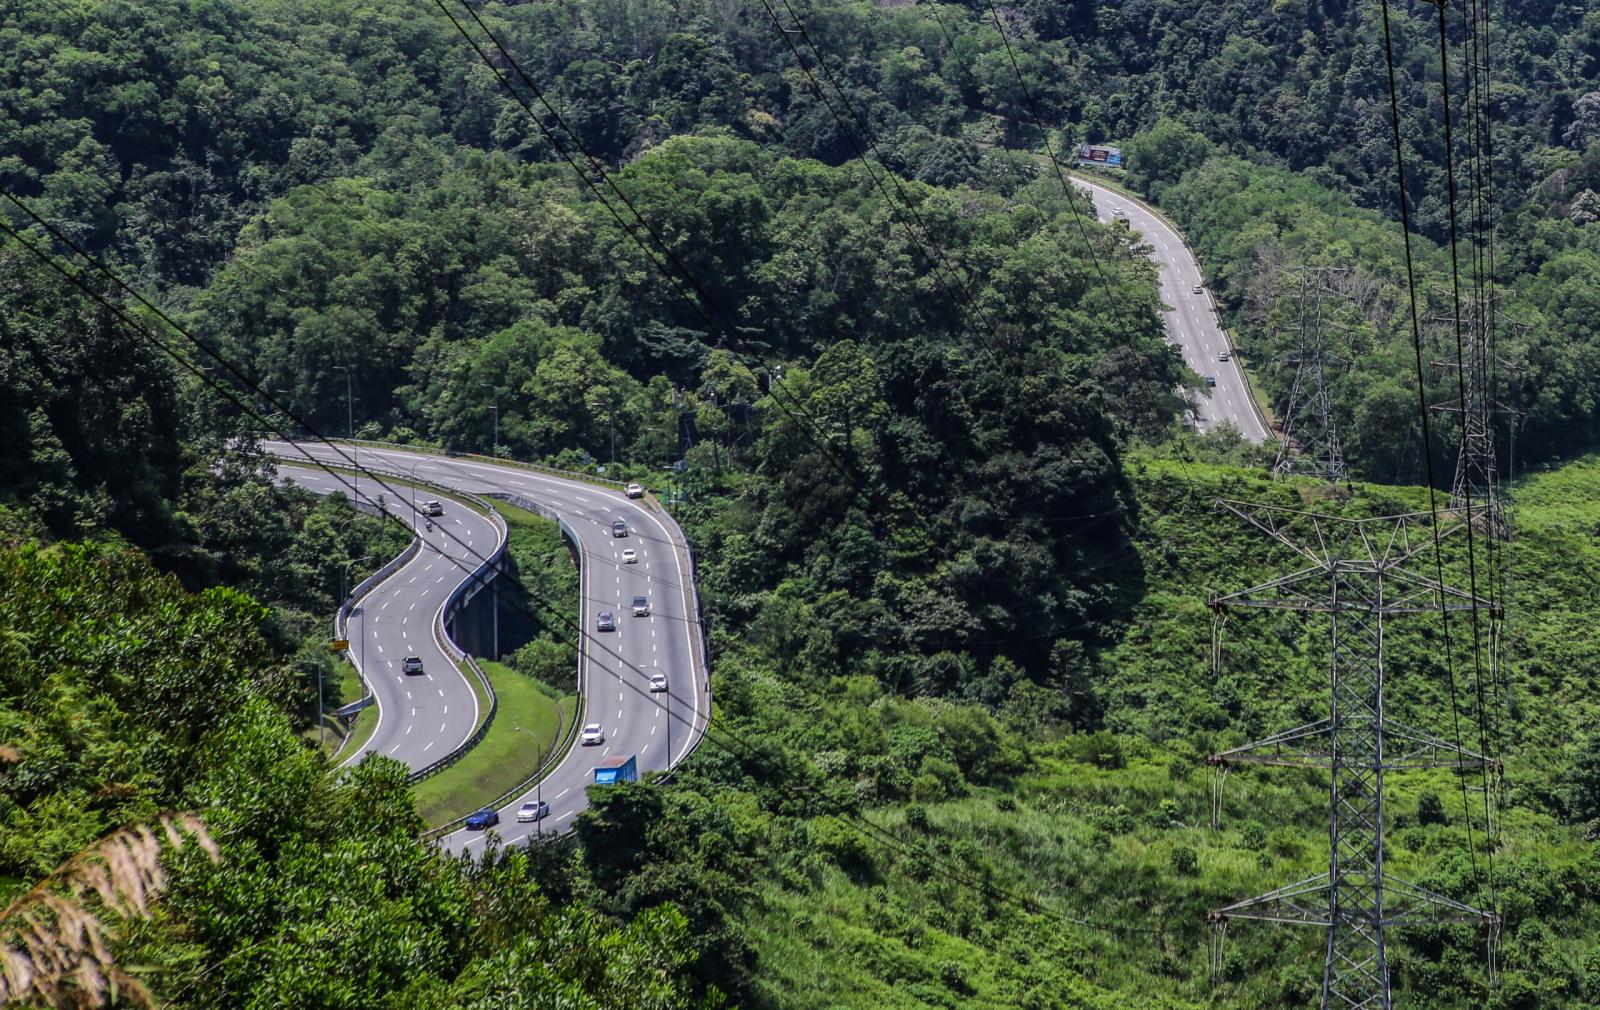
339, 645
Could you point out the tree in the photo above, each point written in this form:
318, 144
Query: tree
1159, 156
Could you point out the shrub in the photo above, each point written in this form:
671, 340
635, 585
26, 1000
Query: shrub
1284, 842
953, 977
1253, 836
1430, 809
927, 788
1184, 861
1101, 749
841, 843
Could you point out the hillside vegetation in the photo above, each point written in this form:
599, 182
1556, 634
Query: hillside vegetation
922, 430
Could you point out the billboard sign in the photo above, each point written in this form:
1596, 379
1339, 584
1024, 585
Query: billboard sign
1094, 154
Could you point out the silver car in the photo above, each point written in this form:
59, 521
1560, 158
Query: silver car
591, 735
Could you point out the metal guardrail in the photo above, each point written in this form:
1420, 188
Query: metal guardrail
692, 588
341, 618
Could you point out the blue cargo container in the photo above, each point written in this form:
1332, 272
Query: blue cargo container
617, 769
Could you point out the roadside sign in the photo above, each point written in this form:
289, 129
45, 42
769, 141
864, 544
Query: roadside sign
339, 645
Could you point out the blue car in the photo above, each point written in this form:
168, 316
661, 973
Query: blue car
481, 819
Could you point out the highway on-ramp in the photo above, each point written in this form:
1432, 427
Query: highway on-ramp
1192, 323
614, 667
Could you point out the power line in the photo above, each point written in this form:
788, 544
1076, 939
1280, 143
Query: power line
1038, 122
1116, 306
723, 325
703, 303
729, 742
1422, 396
1461, 388
936, 256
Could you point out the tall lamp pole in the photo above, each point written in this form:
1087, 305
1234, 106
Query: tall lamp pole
414, 494
344, 572
494, 447
349, 404
538, 786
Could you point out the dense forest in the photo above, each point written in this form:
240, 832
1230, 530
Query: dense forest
954, 544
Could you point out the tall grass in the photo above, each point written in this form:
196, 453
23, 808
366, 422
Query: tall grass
56, 940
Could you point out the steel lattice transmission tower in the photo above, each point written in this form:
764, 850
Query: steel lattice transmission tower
1358, 573
1476, 483
1310, 443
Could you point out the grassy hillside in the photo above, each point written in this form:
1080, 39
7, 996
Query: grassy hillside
1111, 827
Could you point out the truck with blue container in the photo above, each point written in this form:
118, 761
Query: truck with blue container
623, 768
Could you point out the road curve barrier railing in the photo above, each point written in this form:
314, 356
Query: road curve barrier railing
689, 563
693, 560
1126, 194
480, 577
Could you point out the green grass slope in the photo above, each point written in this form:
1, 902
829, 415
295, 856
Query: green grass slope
1106, 836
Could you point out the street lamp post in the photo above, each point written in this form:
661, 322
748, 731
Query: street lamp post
538, 786
414, 495
349, 403
668, 710
494, 447
361, 656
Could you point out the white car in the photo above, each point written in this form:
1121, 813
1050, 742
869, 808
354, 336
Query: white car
629, 556
591, 735
635, 490
1224, 356
533, 810
1199, 288
658, 682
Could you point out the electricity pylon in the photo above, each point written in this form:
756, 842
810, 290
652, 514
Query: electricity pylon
1359, 574
1477, 476
1310, 443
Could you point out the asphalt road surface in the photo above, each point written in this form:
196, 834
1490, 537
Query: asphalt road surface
421, 717
1192, 322
614, 667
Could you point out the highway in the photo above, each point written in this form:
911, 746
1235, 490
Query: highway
614, 667
421, 717
1192, 321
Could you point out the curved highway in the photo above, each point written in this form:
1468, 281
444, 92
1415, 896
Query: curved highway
615, 667
1192, 324
421, 716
